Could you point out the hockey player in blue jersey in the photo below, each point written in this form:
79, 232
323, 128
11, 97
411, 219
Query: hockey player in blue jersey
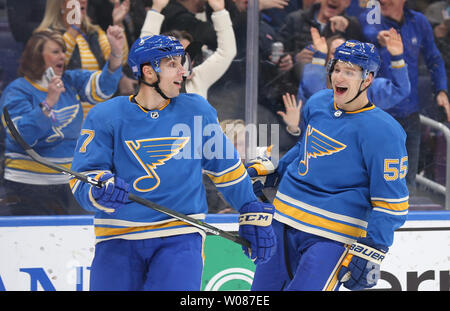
342, 192
156, 144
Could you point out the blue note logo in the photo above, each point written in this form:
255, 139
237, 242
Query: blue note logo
63, 117
317, 144
151, 153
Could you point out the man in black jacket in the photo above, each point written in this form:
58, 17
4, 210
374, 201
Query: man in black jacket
180, 15
328, 16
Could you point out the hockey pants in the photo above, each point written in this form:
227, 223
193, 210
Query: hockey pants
302, 262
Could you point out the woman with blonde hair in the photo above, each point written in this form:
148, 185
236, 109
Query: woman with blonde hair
45, 105
87, 45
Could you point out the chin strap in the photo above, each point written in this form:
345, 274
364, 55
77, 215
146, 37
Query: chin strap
155, 86
359, 93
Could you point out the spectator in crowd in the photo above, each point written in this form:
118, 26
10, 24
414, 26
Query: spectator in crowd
114, 12
328, 16
314, 75
46, 110
276, 15
384, 93
291, 114
275, 75
181, 15
438, 14
23, 18
87, 46
357, 7
238, 12
417, 37
206, 73
236, 130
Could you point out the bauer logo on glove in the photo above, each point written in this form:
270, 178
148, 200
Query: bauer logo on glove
366, 252
361, 266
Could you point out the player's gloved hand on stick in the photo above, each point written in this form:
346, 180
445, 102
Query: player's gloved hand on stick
255, 225
113, 195
361, 267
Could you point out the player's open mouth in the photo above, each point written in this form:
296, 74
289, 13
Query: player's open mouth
178, 83
340, 90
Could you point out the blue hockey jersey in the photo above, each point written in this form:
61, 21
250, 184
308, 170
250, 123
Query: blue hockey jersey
55, 139
345, 178
161, 154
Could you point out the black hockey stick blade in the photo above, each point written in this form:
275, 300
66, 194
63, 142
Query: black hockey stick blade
191, 221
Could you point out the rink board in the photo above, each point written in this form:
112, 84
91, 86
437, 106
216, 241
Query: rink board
55, 253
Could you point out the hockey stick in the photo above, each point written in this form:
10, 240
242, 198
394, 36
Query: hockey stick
192, 221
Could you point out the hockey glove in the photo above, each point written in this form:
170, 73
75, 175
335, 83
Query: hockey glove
260, 171
112, 196
361, 267
260, 167
255, 225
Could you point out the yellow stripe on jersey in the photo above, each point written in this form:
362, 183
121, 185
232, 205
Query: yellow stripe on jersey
398, 207
394, 207
228, 176
107, 229
103, 231
94, 82
72, 182
32, 166
317, 221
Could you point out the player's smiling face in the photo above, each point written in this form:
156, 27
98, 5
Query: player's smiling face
346, 80
171, 76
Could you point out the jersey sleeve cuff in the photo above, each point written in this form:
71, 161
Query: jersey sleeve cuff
397, 61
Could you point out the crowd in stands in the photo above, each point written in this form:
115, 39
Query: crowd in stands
86, 42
